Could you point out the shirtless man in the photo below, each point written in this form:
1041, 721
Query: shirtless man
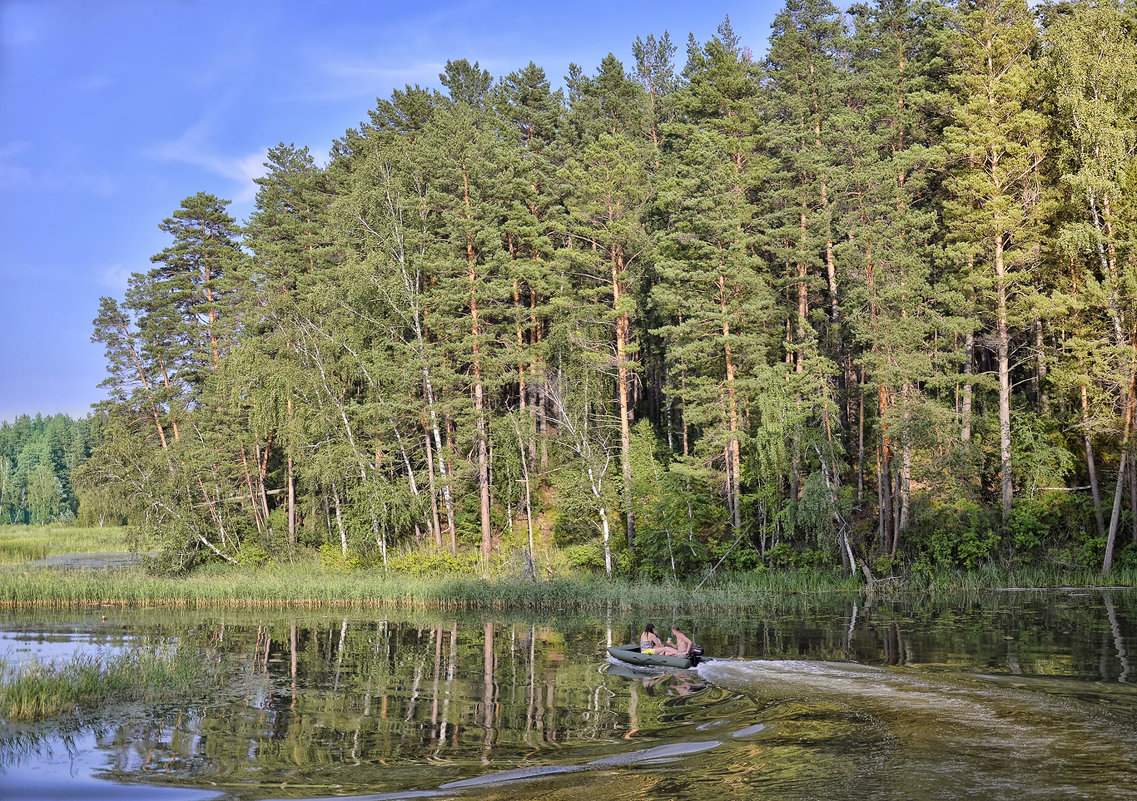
650, 643
682, 641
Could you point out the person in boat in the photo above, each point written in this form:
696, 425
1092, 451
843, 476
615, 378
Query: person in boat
683, 643
651, 644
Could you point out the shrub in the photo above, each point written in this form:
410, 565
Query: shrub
958, 534
430, 560
584, 557
252, 555
333, 558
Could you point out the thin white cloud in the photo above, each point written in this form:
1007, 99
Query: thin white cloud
115, 277
13, 174
363, 70
336, 78
194, 148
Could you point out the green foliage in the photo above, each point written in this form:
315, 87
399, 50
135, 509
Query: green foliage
963, 534
682, 311
333, 558
585, 557
1041, 458
429, 561
253, 555
782, 557
815, 509
39, 461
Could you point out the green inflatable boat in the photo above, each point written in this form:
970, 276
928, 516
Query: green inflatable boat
631, 654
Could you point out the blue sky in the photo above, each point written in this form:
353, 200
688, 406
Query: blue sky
113, 111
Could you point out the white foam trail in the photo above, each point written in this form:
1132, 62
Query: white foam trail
656, 754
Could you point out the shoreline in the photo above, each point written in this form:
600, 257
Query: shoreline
116, 585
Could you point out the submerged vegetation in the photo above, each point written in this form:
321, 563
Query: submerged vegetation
34, 690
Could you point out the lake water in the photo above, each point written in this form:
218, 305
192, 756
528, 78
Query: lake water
1006, 695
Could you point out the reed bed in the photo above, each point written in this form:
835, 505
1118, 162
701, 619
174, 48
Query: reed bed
1022, 577
313, 585
34, 691
22, 544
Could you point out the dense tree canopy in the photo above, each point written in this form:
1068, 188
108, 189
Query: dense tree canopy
40, 471
864, 304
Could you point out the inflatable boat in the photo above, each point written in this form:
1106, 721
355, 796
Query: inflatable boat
631, 654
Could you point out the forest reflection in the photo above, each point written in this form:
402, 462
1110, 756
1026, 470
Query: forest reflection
324, 704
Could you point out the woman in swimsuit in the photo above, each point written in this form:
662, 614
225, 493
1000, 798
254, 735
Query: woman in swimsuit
650, 644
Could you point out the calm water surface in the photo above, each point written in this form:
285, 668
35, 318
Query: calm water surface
1024, 695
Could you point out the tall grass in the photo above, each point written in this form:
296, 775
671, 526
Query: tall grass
20, 544
995, 577
314, 585
35, 691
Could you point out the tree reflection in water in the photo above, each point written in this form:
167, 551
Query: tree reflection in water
410, 703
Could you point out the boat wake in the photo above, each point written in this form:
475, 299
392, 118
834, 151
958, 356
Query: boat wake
965, 732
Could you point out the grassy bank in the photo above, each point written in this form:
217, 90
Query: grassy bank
995, 577
34, 691
315, 585
22, 544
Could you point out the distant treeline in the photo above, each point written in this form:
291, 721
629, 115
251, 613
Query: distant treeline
867, 303
39, 457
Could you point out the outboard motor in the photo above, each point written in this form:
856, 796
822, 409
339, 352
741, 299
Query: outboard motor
695, 654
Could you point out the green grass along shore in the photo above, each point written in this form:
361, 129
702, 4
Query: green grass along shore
313, 585
24, 582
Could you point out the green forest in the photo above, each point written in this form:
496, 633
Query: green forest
864, 305
39, 458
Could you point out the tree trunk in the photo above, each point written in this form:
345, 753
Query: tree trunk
479, 401
734, 451
1002, 354
291, 494
1041, 370
888, 503
443, 472
968, 366
1091, 467
435, 522
1115, 517
622, 331
528, 499
339, 519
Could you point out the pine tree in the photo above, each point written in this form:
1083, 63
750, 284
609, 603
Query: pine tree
889, 218
469, 194
288, 234
712, 282
531, 115
996, 149
132, 382
1091, 63
805, 88
192, 291
608, 120
655, 72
